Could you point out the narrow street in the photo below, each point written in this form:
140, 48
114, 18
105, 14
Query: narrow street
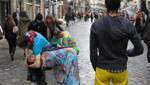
14, 73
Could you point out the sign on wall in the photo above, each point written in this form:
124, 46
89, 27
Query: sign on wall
60, 3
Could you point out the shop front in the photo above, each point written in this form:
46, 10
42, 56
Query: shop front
4, 11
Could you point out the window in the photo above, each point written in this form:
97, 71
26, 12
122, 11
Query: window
37, 2
29, 10
29, 1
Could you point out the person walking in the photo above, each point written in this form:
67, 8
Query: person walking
23, 23
38, 25
91, 15
109, 38
53, 26
146, 38
95, 16
137, 24
16, 16
67, 18
73, 16
67, 40
10, 36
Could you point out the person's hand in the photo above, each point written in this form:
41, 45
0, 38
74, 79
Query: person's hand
25, 63
58, 45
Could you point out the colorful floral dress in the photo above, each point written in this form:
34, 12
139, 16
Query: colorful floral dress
68, 41
67, 59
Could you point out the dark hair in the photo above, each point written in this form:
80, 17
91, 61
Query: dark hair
23, 41
112, 5
52, 20
23, 14
39, 16
56, 33
10, 21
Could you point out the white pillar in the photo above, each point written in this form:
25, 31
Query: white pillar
13, 6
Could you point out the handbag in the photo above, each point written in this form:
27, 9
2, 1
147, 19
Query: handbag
15, 29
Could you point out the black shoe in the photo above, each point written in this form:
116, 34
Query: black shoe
29, 78
12, 58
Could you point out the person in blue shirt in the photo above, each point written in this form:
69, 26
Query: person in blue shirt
34, 41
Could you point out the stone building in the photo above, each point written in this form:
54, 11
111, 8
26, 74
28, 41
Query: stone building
4, 10
97, 4
148, 4
32, 7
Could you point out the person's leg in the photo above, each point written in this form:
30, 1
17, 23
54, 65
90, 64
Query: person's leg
148, 53
120, 78
13, 48
102, 77
10, 43
40, 76
29, 75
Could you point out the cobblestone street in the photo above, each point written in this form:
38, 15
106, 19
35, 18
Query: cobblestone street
14, 73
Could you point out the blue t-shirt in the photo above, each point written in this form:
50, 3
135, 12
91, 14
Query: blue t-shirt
38, 44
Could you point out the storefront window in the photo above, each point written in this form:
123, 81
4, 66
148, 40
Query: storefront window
29, 1
37, 10
29, 10
36, 1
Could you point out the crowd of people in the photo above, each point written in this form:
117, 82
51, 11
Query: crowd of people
52, 47
55, 48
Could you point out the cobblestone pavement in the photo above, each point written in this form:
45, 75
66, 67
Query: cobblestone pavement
14, 73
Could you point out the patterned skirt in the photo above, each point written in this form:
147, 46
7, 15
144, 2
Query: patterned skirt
65, 58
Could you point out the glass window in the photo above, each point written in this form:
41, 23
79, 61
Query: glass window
29, 10
36, 1
29, 1
37, 10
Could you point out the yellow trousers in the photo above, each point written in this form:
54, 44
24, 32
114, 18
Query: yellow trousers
103, 77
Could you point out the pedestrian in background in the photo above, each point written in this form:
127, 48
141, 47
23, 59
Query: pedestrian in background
23, 23
38, 25
95, 16
108, 46
146, 38
16, 16
91, 15
67, 40
73, 16
67, 18
10, 36
137, 24
52, 25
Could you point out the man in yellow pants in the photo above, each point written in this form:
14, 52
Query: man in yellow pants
108, 46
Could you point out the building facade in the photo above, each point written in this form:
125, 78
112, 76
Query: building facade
32, 7
148, 4
4, 10
97, 4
